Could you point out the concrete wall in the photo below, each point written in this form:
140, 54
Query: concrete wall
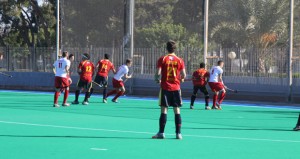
249, 88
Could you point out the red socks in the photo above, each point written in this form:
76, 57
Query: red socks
111, 93
221, 97
215, 98
118, 95
56, 95
66, 95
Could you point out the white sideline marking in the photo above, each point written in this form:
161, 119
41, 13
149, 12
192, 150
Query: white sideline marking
137, 132
99, 149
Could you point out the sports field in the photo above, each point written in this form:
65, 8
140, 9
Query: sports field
30, 128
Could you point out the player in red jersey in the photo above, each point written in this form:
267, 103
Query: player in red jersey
104, 66
61, 71
172, 71
200, 78
297, 127
86, 71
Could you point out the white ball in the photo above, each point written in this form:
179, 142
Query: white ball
232, 55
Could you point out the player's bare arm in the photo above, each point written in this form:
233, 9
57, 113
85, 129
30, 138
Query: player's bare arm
114, 71
67, 68
54, 70
157, 75
128, 76
183, 75
79, 71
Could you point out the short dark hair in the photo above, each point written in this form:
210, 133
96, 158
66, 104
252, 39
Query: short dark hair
219, 62
106, 56
64, 54
171, 46
128, 61
202, 65
86, 56
71, 55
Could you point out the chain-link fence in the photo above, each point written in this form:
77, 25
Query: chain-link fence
251, 36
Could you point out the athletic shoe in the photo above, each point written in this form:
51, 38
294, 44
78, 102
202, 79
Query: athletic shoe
55, 105
65, 104
159, 136
115, 101
85, 103
207, 108
105, 100
219, 105
178, 136
297, 128
75, 102
216, 107
191, 107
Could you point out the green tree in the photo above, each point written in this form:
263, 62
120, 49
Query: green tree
26, 23
250, 23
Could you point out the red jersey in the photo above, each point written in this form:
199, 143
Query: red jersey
87, 70
104, 66
200, 76
171, 66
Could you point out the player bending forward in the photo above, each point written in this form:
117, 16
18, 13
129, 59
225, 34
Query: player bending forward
216, 84
61, 71
104, 66
172, 71
117, 81
86, 71
200, 78
297, 127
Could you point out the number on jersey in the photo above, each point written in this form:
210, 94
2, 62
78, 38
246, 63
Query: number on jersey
171, 73
88, 69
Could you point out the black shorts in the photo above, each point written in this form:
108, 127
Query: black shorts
84, 84
201, 88
170, 98
101, 80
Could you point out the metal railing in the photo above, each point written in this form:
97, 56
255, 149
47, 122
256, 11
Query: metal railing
248, 62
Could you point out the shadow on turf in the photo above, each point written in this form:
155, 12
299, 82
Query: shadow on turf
82, 137
239, 129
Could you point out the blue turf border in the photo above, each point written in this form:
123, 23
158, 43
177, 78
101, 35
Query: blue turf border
232, 104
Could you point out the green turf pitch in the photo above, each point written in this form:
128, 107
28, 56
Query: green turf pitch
30, 128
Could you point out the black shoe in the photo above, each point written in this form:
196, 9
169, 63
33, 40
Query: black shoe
75, 102
297, 128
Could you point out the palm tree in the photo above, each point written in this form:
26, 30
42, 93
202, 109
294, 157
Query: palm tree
260, 24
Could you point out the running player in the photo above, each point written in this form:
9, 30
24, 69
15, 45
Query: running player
117, 81
216, 84
104, 66
86, 72
172, 71
297, 127
61, 71
200, 78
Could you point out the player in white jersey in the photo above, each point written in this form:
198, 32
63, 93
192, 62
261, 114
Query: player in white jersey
61, 70
216, 84
117, 81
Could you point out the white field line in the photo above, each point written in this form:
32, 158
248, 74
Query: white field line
149, 133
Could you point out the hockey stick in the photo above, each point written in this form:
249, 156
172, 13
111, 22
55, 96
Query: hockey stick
7, 75
231, 90
100, 85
